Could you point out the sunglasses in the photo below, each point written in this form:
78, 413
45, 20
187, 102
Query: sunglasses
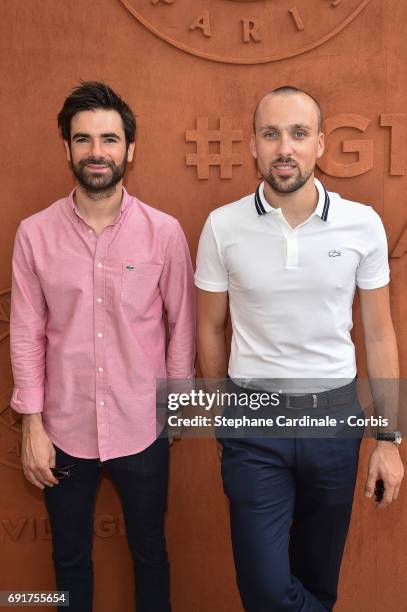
63, 472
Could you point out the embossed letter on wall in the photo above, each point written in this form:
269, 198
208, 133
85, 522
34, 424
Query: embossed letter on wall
364, 148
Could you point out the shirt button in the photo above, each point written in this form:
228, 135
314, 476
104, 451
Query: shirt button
101, 403
99, 264
90, 231
100, 369
100, 335
99, 300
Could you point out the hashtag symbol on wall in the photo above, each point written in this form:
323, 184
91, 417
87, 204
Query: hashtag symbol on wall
226, 158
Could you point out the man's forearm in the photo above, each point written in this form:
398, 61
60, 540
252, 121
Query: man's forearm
31, 421
383, 370
212, 353
212, 357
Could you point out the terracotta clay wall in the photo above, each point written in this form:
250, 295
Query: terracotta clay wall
193, 70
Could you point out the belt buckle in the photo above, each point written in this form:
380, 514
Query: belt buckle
314, 401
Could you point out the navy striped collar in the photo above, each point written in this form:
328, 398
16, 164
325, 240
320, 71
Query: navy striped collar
322, 209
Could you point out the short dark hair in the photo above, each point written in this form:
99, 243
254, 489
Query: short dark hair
92, 95
287, 90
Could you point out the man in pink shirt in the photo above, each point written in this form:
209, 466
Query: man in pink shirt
96, 276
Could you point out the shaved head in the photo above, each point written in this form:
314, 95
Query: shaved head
287, 90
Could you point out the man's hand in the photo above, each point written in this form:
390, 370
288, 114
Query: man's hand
174, 434
38, 453
385, 463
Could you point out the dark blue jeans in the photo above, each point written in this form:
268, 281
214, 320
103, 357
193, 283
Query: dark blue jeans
290, 508
142, 483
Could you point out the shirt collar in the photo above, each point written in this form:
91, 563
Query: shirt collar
322, 208
123, 207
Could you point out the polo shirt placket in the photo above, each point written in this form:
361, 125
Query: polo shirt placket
290, 241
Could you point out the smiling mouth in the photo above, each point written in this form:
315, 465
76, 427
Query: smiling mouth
96, 167
284, 168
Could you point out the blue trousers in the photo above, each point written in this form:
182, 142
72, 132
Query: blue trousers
142, 482
290, 508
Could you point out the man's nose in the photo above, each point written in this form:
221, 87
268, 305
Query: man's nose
285, 146
96, 148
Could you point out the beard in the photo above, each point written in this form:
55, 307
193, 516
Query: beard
96, 183
287, 184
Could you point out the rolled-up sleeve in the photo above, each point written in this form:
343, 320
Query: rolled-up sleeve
28, 319
178, 293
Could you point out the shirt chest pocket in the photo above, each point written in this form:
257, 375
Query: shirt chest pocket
139, 286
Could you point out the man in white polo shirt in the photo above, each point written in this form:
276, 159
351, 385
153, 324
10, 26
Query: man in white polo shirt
288, 258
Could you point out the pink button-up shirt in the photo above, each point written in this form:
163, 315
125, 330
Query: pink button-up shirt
87, 332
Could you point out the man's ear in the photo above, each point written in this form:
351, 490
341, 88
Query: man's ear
68, 150
253, 149
321, 145
130, 151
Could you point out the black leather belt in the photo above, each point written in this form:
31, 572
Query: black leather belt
333, 397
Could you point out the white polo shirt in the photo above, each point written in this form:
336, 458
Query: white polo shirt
291, 289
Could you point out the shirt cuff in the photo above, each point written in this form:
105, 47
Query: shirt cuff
29, 400
180, 385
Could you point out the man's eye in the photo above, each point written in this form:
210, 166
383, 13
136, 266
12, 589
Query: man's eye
270, 134
81, 140
110, 140
300, 134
